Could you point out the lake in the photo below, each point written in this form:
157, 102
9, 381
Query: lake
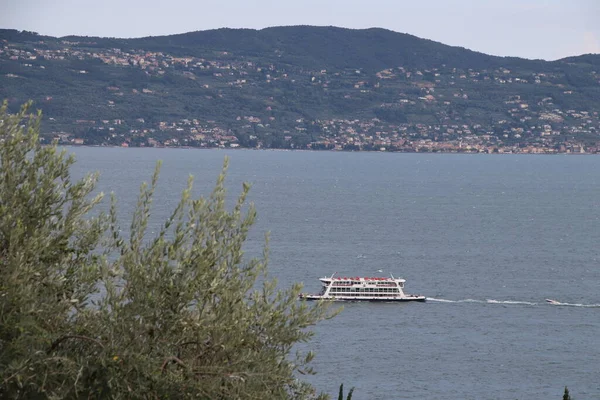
487, 238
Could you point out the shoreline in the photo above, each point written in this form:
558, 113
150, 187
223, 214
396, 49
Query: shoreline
328, 150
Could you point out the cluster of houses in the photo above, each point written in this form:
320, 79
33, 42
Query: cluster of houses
349, 135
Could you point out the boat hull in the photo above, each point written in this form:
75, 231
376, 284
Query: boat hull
362, 299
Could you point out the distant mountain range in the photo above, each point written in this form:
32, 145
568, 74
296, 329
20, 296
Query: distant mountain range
301, 87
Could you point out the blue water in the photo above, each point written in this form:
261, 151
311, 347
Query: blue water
486, 238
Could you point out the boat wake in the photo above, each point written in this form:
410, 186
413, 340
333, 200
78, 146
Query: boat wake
440, 300
558, 303
456, 301
513, 302
527, 303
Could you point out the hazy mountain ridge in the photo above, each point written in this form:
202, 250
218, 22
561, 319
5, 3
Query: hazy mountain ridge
291, 86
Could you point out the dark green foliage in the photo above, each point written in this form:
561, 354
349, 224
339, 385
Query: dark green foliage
88, 313
592, 59
341, 393
393, 115
566, 395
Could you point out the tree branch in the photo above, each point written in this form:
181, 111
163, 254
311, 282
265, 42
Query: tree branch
63, 338
171, 358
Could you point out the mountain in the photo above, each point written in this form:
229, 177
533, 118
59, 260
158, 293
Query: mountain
301, 87
589, 59
314, 47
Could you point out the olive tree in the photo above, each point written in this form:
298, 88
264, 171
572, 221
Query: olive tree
88, 313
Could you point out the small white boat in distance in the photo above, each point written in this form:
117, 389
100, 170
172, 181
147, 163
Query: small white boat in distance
362, 289
553, 301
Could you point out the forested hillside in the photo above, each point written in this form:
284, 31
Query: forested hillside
301, 87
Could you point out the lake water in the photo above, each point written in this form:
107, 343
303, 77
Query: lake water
486, 238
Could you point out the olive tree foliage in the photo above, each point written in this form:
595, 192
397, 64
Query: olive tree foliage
88, 313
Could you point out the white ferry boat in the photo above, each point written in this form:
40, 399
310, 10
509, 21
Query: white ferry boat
362, 289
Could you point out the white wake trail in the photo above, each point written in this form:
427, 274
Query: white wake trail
528, 303
558, 303
440, 300
513, 302
454, 301
488, 301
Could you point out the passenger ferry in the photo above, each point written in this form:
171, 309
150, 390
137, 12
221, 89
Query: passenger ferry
362, 289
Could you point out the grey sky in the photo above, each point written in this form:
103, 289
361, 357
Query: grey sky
548, 29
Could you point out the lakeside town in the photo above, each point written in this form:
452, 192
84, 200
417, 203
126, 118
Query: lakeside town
351, 137
436, 108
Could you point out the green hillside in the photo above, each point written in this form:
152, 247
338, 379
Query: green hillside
301, 87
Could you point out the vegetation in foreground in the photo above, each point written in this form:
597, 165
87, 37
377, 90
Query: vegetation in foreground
88, 313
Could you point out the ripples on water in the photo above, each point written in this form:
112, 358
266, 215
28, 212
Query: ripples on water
486, 238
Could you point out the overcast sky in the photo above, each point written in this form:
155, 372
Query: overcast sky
547, 29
